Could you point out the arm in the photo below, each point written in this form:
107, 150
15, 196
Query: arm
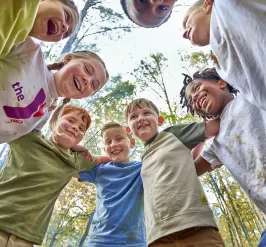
17, 19
102, 160
196, 150
202, 166
212, 127
79, 148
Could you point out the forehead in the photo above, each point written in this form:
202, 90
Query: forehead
191, 86
77, 115
139, 108
113, 132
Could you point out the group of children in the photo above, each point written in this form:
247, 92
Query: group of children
157, 202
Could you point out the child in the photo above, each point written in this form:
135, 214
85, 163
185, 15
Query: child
35, 173
230, 27
28, 87
240, 144
148, 13
45, 20
175, 206
119, 217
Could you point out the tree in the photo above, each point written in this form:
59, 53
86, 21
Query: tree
95, 20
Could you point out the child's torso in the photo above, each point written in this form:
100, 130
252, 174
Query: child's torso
26, 91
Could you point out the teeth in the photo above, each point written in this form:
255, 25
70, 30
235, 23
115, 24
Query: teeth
116, 152
77, 85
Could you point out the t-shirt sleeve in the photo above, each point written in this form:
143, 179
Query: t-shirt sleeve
86, 165
88, 176
209, 155
189, 134
16, 21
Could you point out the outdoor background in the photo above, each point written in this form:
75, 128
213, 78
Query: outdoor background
142, 63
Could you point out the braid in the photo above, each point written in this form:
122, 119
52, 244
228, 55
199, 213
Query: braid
55, 66
183, 101
206, 74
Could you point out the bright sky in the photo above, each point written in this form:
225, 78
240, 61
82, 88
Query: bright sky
124, 54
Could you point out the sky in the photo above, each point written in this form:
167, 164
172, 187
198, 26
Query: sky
124, 54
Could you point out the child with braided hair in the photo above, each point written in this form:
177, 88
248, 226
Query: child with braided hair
45, 20
28, 87
240, 144
230, 28
37, 170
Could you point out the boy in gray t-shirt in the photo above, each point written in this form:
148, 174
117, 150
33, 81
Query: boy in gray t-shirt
176, 209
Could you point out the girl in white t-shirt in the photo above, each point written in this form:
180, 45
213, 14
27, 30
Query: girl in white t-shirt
28, 87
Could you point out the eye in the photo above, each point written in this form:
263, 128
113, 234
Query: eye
197, 87
163, 7
67, 16
146, 113
70, 120
142, 1
87, 70
133, 117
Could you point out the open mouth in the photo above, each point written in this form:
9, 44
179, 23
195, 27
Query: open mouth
77, 85
116, 151
142, 126
201, 101
52, 27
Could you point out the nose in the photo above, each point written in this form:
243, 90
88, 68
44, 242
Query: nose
185, 35
85, 80
64, 28
75, 128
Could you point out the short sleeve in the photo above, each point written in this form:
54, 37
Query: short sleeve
189, 134
209, 155
16, 21
88, 176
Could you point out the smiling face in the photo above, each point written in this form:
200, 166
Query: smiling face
208, 98
196, 25
71, 128
54, 21
144, 122
117, 144
79, 77
149, 13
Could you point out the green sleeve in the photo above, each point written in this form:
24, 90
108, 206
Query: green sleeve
86, 165
16, 21
189, 134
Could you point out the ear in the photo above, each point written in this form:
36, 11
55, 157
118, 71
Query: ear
128, 130
208, 6
222, 84
160, 120
67, 58
132, 142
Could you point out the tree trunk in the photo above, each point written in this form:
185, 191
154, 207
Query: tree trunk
84, 236
53, 239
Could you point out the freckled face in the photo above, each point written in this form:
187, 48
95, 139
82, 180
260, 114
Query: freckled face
80, 78
72, 127
150, 13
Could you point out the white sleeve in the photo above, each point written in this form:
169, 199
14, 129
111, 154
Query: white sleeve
209, 155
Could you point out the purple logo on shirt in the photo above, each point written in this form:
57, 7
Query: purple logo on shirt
36, 106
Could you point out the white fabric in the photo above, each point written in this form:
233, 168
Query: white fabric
238, 39
241, 147
26, 87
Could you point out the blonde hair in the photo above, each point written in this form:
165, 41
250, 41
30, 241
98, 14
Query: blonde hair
196, 5
140, 103
111, 125
79, 55
71, 4
63, 110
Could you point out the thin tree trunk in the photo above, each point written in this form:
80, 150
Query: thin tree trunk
84, 236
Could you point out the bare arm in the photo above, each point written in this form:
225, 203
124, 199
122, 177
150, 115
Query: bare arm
202, 166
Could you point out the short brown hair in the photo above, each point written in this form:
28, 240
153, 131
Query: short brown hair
196, 5
111, 125
139, 103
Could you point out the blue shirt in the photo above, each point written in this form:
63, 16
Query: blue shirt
119, 214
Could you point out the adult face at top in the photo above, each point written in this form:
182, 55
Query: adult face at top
148, 13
